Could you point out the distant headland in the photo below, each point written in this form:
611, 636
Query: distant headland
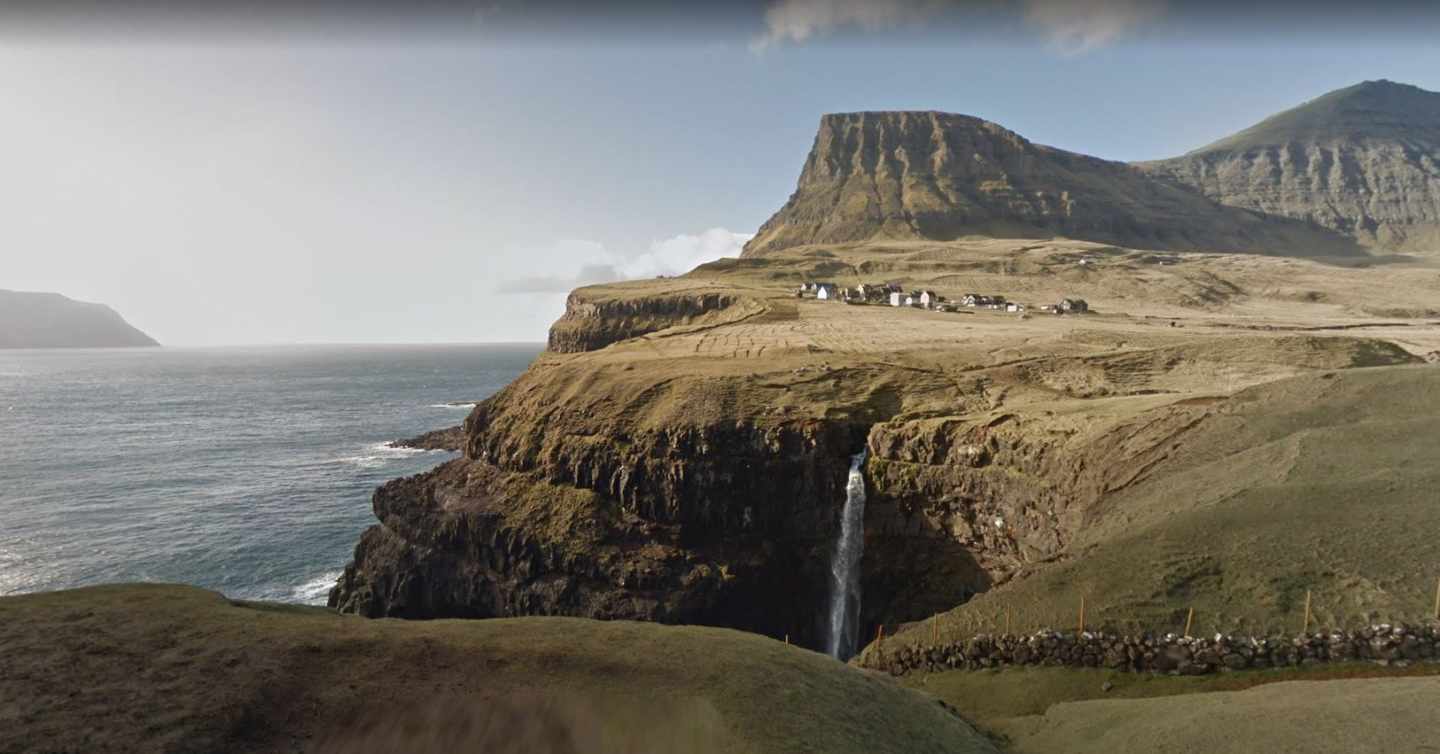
50, 320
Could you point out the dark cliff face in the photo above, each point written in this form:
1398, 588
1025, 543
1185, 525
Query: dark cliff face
559, 510
939, 176
589, 324
1363, 161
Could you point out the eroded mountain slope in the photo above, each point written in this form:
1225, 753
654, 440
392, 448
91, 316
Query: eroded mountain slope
875, 176
1363, 161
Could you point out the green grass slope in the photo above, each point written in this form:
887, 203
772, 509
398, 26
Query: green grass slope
177, 669
1372, 715
1322, 483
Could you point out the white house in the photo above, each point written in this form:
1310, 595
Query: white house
826, 291
897, 298
928, 299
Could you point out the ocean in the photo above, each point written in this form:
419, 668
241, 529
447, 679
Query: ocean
245, 470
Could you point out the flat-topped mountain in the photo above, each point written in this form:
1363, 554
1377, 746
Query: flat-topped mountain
50, 320
940, 176
1363, 160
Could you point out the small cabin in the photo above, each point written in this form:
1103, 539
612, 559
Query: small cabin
873, 291
928, 299
826, 291
1074, 306
897, 298
1014, 307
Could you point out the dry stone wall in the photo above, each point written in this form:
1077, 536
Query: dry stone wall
1175, 655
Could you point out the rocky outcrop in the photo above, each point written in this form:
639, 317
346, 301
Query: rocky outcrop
50, 320
1363, 161
592, 322
1170, 654
720, 524
449, 438
940, 176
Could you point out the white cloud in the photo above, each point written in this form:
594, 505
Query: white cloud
1072, 26
684, 252
799, 20
1079, 26
593, 263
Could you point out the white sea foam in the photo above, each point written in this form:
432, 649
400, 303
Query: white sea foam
378, 454
464, 406
317, 590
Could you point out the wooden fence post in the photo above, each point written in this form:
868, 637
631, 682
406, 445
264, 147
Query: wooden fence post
1189, 619
1082, 613
1307, 612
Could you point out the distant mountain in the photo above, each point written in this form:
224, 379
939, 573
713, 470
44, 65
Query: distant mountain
939, 176
1363, 161
49, 320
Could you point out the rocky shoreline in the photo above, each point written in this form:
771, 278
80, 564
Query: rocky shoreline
1385, 644
449, 438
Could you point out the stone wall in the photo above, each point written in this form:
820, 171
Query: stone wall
1175, 655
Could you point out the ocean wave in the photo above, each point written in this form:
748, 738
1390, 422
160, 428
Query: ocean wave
455, 405
317, 590
380, 453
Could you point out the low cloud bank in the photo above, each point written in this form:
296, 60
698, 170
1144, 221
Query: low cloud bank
593, 263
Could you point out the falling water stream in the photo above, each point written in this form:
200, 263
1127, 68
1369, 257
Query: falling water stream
845, 567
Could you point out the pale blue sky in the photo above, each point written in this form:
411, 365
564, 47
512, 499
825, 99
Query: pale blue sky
382, 187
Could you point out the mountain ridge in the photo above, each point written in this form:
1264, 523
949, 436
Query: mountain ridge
1363, 161
927, 175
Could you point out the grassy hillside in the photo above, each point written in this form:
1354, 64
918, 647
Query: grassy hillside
1325, 716
176, 669
1323, 483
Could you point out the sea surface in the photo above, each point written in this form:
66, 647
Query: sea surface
246, 470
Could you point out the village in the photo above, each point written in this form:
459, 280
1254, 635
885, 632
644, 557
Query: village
894, 294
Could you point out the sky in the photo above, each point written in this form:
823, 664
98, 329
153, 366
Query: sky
246, 175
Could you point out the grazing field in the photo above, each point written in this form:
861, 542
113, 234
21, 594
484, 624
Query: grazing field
154, 668
1367, 715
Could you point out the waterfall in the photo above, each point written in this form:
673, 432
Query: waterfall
845, 567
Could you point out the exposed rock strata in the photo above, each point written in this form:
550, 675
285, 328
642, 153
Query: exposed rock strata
724, 525
590, 324
1363, 161
940, 176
